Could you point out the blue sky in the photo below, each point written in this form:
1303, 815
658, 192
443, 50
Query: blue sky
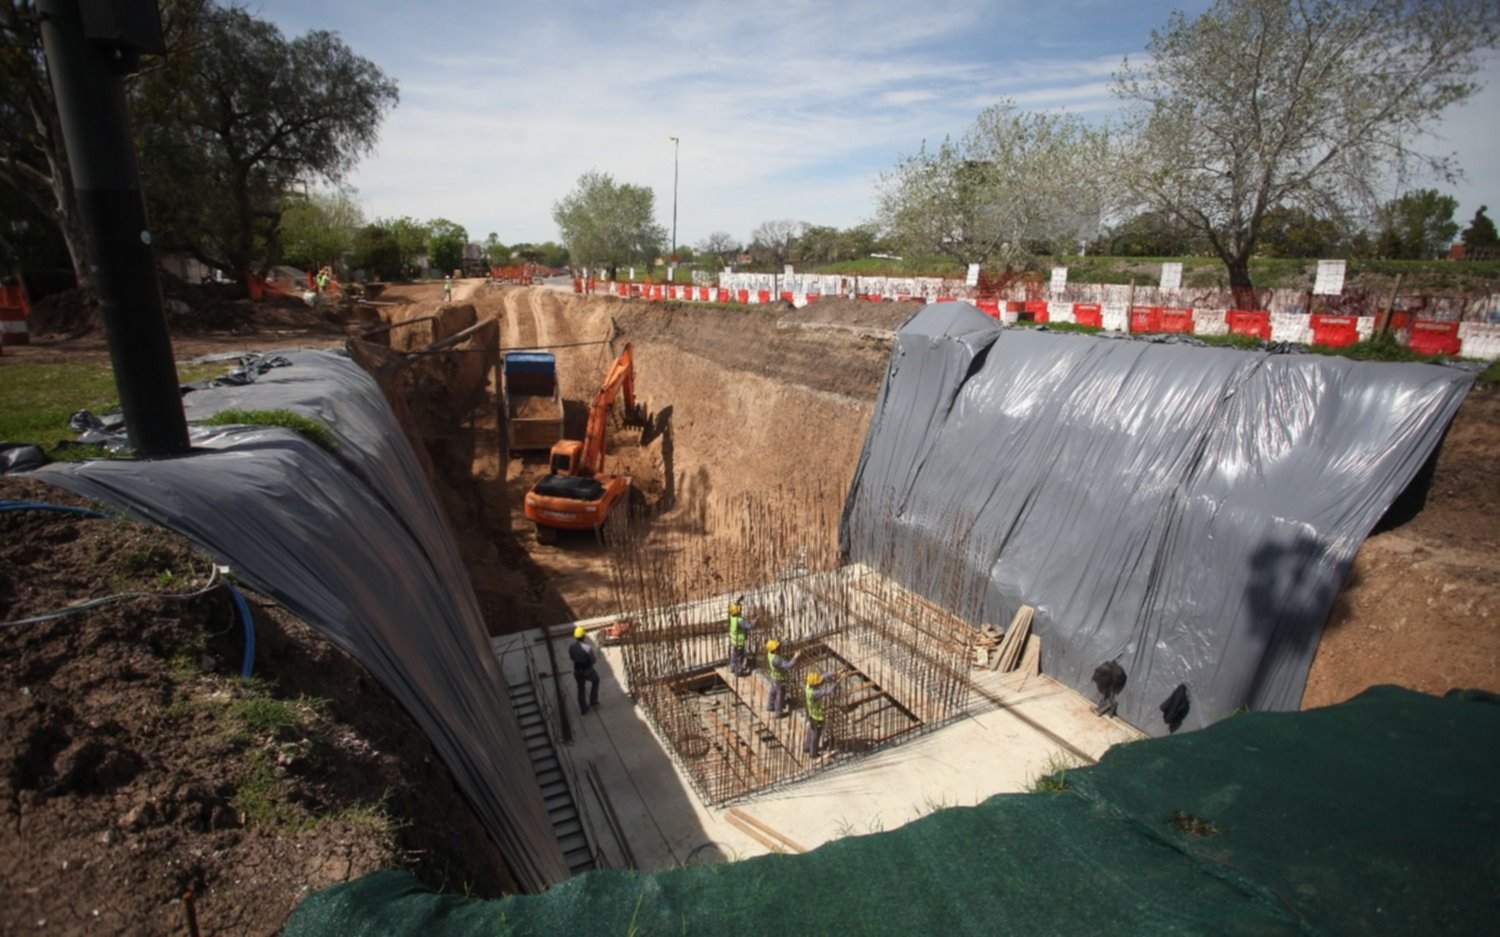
784, 109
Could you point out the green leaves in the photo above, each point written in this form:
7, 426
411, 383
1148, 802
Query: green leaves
605, 224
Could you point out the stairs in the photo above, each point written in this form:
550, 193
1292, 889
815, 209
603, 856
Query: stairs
562, 810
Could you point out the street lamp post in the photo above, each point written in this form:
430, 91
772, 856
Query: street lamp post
675, 145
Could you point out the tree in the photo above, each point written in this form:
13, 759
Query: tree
1481, 231
375, 250
604, 224
776, 238
1290, 231
33, 159
1417, 226
495, 252
411, 237
722, 245
1153, 234
445, 244
319, 230
1308, 103
1012, 180
250, 115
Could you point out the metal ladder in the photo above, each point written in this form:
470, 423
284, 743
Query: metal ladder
562, 810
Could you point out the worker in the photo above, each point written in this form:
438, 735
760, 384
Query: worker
583, 654
739, 633
323, 277
447, 287
780, 670
813, 696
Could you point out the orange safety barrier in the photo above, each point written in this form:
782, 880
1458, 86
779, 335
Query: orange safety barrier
1334, 331
1252, 322
1088, 314
1035, 310
15, 313
1176, 319
1145, 319
1430, 337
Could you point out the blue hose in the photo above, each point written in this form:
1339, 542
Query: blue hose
241, 606
248, 622
42, 506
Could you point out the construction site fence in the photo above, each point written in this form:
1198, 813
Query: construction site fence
1454, 325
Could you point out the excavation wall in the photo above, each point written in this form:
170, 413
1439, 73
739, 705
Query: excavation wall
1189, 513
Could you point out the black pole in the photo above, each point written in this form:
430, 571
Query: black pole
86, 61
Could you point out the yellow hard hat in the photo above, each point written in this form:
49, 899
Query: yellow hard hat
814, 678
772, 644
580, 631
734, 608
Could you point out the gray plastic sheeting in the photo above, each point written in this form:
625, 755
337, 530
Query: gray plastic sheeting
1189, 512
356, 546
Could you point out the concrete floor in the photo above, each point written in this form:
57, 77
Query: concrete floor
1012, 734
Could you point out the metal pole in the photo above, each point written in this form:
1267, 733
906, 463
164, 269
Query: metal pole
86, 62
676, 144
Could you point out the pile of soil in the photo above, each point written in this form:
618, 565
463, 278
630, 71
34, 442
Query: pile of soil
858, 312
135, 764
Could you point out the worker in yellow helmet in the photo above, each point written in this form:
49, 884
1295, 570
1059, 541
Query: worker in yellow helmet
583, 654
739, 634
819, 687
780, 669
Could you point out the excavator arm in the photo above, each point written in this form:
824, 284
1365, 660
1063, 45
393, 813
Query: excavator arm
621, 378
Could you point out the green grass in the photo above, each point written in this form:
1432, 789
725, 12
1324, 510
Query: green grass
1073, 327
36, 400
1247, 342
306, 427
1054, 776
1490, 375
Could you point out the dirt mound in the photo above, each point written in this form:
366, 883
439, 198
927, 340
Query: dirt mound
72, 313
135, 764
857, 312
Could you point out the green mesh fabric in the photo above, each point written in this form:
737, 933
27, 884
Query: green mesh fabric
1377, 816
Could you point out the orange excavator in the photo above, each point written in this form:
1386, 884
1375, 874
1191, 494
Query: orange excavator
576, 494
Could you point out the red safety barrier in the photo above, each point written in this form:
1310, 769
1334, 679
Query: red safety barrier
1176, 319
15, 311
1400, 320
1334, 331
814, 297
1088, 314
1145, 319
763, 295
1015, 306
1429, 337
744, 296
872, 298
1252, 322
578, 284
703, 294
786, 296
990, 307
635, 290
954, 299
1035, 310
656, 292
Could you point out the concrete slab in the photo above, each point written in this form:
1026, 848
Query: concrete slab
1013, 733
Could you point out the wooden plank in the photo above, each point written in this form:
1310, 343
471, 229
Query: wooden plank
884, 674
755, 834
767, 829
1015, 640
1031, 658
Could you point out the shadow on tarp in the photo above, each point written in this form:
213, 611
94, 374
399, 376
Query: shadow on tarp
1376, 816
352, 542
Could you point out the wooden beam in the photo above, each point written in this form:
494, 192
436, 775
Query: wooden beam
755, 834
767, 829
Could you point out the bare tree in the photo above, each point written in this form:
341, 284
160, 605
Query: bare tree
721, 244
1308, 103
777, 237
1013, 182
